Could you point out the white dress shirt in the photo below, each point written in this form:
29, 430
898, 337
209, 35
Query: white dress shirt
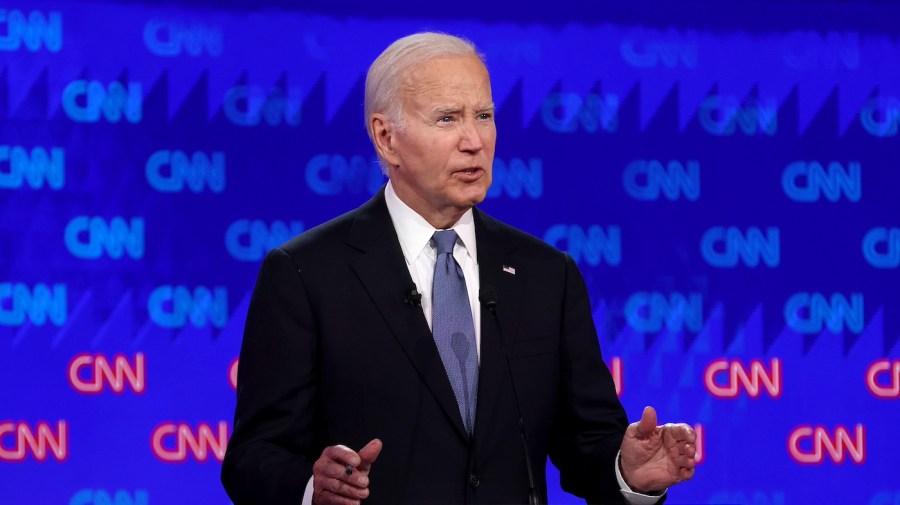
420, 254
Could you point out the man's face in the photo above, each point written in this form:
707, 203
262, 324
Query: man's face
445, 150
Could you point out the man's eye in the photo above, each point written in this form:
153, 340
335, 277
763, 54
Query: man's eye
445, 119
485, 115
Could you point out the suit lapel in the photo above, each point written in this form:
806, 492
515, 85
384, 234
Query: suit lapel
497, 269
383, 273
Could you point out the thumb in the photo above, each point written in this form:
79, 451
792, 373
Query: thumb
647, 425
369, 453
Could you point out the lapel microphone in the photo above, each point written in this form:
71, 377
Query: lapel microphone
488, 297
411, 296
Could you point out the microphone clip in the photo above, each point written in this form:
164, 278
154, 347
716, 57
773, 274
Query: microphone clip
412, 297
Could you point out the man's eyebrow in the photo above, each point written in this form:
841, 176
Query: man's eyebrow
446, 110
456, 110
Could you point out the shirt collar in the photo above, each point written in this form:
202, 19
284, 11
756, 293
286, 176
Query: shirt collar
415, 232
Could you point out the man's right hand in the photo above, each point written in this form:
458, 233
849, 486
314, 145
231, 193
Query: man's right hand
332, 485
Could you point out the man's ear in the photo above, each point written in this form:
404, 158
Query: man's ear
383, 133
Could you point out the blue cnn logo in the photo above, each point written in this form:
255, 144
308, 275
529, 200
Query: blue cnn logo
809, 312
174, 37
34, 31
39, 303
649, 179
250, 105
652, 49
726, 247
174, 306
809, 50
808, 181
333, 174
170, 171
593, 246
880, 116
104, 497
723, 115
569, 112
647, 312
37, 168
85, 101
248, 240
881, 247
89, 237
517, 178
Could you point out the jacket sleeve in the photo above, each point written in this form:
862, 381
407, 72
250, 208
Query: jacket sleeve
272, 448
590, 422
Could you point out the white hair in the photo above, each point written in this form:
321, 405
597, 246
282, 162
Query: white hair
385, 76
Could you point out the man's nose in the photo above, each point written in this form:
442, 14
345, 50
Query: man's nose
470, 137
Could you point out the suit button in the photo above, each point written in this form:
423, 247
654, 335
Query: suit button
473, 480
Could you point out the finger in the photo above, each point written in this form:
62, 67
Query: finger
677, 434
342, 454
691, 436
337, 471
369, 454
690, 450
686, 462
325, 497
341, 488
682, 432
684, 450
686, 473
647, 424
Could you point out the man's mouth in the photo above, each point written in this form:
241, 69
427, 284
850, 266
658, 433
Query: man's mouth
470, 170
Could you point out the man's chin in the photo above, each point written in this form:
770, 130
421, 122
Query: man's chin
472, 200
473, 195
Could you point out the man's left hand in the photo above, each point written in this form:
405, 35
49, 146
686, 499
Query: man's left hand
656, 457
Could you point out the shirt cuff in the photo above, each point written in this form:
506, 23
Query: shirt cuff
308, 494
630, 496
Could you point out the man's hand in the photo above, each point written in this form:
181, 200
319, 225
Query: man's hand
331, 483
656, 457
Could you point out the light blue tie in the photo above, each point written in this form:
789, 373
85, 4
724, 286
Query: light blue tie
451, 322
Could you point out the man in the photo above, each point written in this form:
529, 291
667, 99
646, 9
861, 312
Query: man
367, 332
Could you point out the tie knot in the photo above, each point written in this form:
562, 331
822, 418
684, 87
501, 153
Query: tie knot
444, 240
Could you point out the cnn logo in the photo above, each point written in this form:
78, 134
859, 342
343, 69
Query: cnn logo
700, 444
881, 388
811, 445
175, 442
233, 373
727, 378
18, 440
615, 369
93, 373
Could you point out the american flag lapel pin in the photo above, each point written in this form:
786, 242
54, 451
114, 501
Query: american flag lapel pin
510, 270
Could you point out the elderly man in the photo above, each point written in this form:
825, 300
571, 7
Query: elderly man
453, 352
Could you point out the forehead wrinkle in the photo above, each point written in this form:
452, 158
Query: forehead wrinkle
432, 92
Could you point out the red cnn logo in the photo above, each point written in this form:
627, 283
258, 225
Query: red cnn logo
884, 367
232, 374
90, 374
25, 441
699, 456
615, 368
738, 377
171, 441
821, 442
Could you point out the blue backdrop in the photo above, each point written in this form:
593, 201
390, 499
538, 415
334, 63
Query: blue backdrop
725, 174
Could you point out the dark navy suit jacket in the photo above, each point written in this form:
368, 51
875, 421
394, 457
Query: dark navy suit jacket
334, 354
